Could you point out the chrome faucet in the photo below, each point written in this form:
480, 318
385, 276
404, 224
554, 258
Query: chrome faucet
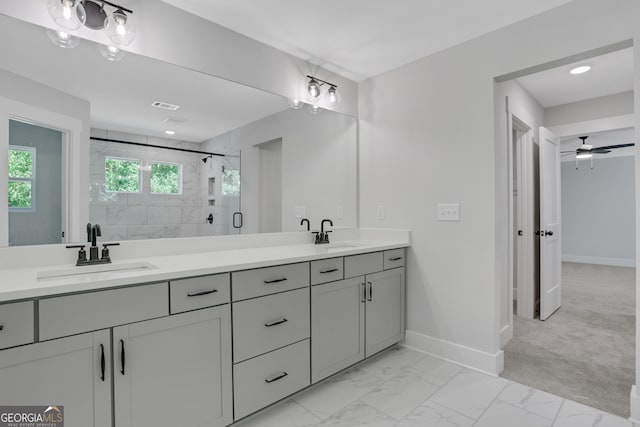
323, 236
93, 232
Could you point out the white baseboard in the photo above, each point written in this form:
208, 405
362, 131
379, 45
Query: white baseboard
478, 360
617, 262
506, 333
634, 400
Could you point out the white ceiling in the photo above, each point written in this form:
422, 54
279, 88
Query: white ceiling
600, 139
363, 38
121, 93
610, 74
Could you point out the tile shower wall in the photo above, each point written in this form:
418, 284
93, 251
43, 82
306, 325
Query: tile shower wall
136, 216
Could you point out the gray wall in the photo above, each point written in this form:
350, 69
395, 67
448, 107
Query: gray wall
44, 224
591, 109
598, 211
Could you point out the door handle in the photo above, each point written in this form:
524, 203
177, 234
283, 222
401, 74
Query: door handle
364, 292
237, 215
102, 362
548, 233
122, 358
370, 291
519, 232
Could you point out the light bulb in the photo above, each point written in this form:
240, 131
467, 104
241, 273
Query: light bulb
332, 96
295, 103
313, 88
67, 14
120, 28
584, 155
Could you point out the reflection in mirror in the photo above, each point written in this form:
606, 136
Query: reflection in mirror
210, 156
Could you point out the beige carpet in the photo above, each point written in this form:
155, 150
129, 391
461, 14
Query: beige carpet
586, 350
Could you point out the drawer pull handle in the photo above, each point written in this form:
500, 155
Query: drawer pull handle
122, 356
275, 280
199, 294
277, 322
102, 362
398, 258
333, 270
276, 378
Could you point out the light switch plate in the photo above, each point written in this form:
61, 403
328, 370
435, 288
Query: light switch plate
301, 211
448, 212
339, 212
380, 212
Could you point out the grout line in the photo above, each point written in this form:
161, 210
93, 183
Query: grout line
492, 402
553, 422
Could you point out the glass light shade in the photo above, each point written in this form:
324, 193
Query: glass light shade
63, 39
333, 97
314, 109
119, 28
584, 155
313, 89
111, 53
295, 103
67, 14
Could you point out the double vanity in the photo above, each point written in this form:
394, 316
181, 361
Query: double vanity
196, 339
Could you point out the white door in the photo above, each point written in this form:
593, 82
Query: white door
73, 372
384, 310
550, 233
174, 371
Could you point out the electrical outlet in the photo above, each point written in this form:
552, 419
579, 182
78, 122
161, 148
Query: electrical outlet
380, 212
448, 212
339, 212
301, 211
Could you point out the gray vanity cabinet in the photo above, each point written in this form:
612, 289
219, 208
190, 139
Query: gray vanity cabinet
65, 372
174, 371
357, 317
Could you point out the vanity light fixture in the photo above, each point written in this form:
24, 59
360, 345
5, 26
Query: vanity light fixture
63, 39
314, 109
71, 15
580, 70
111, 53
314, 91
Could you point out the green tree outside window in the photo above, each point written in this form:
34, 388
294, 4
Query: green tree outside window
21, 177
122, 175
166, 178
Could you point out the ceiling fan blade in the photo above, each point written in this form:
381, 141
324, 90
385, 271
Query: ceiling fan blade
611, 147
600, 151
572, 151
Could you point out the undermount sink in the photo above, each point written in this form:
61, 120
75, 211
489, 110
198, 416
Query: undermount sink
106, 270
330, 247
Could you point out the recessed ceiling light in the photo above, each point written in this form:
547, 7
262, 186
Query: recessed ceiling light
580, 70
170, 132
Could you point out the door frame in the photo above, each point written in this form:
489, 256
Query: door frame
71, 129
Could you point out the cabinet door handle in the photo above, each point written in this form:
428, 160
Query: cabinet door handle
277, 322
275, 280
276, 378
1, 327
333, 270
370, 291
199, 294
398, 258
364, 292
122, 359
102, 362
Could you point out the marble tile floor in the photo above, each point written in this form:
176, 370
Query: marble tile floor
402, 387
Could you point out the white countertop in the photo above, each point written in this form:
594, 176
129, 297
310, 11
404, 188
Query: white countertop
25, 283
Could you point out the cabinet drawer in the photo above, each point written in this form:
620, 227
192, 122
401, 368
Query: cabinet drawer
264, 324
393, 258
266, 379
359, 265
327, 270
199, 292
16, 324
73, 314
264, 281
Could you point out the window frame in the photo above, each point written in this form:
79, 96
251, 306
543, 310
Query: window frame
138, 161
31, 180
180, 178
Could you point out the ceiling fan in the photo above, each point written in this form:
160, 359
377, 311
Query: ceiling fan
586, 151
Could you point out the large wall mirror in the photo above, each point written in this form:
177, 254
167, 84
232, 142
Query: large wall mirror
240, 160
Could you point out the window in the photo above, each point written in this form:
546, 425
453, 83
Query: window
230, 182
122, 175
166, 178
22, 174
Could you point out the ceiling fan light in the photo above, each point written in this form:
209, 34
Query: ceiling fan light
584, 155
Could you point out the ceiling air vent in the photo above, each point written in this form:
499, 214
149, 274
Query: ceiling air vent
165, 105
